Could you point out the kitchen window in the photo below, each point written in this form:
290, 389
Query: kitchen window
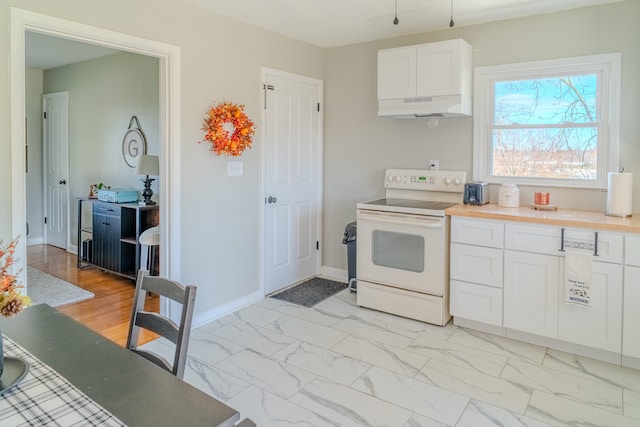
552, 122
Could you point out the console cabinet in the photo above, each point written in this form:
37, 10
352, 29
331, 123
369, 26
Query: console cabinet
111, 243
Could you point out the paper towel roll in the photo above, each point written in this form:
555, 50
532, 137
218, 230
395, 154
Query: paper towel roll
619, 194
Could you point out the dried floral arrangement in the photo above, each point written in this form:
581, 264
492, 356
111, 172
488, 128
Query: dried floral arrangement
11, 300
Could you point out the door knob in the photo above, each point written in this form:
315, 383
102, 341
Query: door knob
271, 199
62, 181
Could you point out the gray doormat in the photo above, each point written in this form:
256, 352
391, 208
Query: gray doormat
310, 292
45, 288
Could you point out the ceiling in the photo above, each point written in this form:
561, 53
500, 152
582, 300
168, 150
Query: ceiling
324, 23
331, 23
45, 52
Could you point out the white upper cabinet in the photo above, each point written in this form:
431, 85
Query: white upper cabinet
397, 73
444, 68
427, 80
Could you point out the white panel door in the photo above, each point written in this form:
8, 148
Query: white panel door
56, 167
292, 179
531, 292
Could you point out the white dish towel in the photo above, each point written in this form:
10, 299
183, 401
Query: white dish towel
578, 266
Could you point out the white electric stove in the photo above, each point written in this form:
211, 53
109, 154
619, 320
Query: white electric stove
402, 246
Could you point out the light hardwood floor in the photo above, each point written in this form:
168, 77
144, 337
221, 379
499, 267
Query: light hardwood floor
108, 313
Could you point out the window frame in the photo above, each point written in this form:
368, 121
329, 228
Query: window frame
608, 69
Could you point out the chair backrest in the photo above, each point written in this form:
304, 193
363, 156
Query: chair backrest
150, 236
178, 334
149, 239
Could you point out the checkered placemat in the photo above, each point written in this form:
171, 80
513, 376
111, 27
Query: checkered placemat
46, 398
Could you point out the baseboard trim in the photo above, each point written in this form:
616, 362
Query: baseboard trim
228, 308
32, 241
254, 297
337, 274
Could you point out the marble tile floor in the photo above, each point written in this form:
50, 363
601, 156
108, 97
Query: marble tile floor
338, 364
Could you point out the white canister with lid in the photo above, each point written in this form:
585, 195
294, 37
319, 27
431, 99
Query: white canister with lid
509, 195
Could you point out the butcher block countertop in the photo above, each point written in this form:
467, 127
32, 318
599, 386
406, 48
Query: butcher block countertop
562, 217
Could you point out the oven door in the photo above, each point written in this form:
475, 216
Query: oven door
403, 250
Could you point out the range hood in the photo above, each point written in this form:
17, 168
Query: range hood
427, 80
425, 106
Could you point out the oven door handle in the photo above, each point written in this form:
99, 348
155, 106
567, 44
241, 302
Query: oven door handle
394, 218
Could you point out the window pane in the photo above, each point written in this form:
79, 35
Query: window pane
401, 251
553, 100
569, 153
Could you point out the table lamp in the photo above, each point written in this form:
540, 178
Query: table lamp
148, 165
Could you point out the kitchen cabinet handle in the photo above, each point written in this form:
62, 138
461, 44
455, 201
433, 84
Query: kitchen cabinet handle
579, 245
393, 218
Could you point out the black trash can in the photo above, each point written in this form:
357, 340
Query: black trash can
349, 239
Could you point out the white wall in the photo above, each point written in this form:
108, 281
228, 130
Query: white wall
104, 94
220, 60
359, 145
33, 102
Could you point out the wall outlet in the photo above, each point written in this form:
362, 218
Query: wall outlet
434, 165
234, 168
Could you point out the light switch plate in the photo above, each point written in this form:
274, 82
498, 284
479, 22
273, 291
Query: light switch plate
234, 168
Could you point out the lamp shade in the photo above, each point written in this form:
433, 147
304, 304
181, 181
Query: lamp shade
148, 165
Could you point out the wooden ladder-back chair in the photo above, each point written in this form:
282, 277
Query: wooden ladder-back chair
178, 334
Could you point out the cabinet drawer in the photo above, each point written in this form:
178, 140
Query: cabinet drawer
610, 246
632, 249
539, 239
476, 264
477, 232
476, 302
102, 208
548, 240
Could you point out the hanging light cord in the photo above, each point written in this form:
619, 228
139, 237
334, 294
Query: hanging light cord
395, 19
451, 24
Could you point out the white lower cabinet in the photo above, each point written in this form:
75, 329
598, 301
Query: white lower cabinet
520, 285
531, 283
476, 271
631, 328
598, 325
476, 264
476, 302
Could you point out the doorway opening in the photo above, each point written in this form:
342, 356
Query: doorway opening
168, 56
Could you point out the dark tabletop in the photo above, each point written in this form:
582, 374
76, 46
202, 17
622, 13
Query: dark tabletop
133, 389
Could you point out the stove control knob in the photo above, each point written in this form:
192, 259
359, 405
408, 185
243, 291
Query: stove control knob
457, 181
390, 178
398, 178
447, 181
